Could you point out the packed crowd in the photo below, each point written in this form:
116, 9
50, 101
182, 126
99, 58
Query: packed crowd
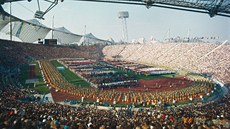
18, 114
208, 58
15, 53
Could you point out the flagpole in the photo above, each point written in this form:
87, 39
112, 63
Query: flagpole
53, 28
10, 23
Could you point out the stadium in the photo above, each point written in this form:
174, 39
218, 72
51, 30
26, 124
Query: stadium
79, 81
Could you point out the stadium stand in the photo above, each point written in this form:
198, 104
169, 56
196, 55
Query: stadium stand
206, 58
22, 53
20, 108
17, 110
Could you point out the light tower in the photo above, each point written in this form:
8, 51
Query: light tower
123, 15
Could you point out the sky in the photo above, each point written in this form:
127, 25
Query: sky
102, 20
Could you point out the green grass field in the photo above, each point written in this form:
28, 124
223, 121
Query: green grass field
70, 76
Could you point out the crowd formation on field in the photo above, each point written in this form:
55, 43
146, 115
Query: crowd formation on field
100, 73
141, 69
196, 91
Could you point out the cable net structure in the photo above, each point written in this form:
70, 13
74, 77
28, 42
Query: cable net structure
30, 31
4, 20
27, 31
211, 7
90, 39
64, 36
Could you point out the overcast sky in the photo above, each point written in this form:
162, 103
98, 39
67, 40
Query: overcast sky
101, 19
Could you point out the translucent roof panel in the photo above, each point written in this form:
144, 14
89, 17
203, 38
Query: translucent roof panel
64, 36
28, 32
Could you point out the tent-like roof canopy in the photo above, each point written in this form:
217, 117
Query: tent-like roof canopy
36, 22
90, 35
63, 29
32, 30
